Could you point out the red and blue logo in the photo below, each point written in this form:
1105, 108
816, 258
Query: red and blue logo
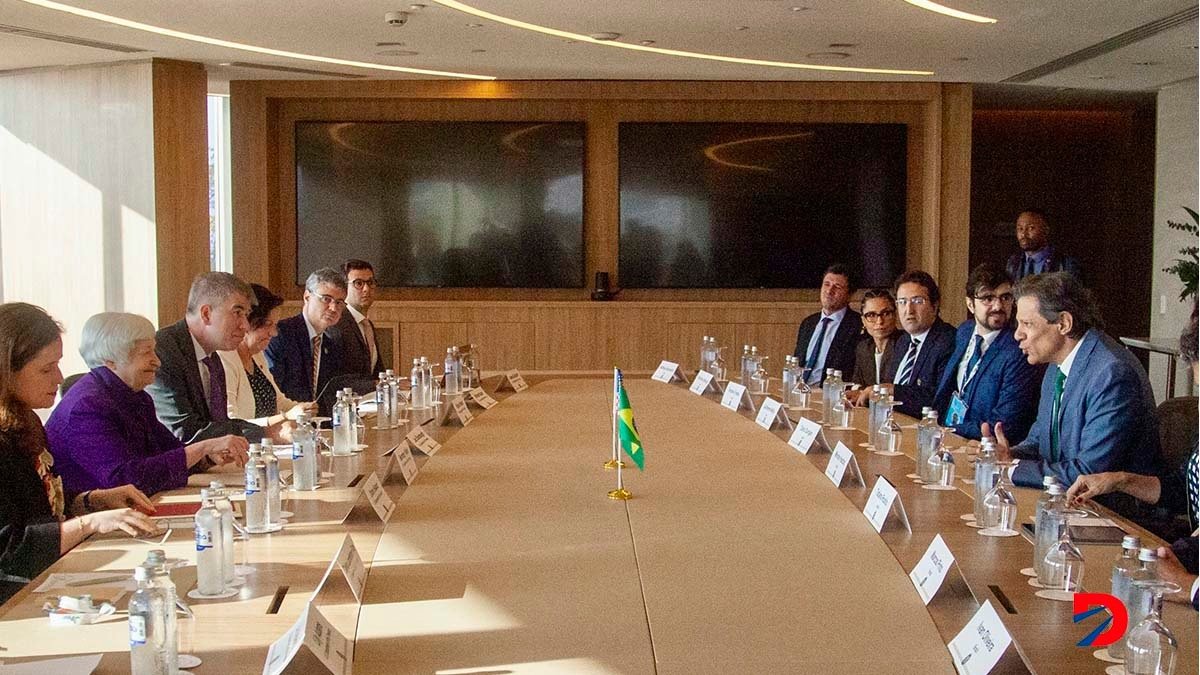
1087, 605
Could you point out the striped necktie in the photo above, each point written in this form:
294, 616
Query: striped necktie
316, 363
910, 360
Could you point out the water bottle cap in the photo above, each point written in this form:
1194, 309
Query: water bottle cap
449, 350
156, 556
1131, 542
1147, 555
255, 447
205, 494
1055, 489
142, 573
925, 410
1047, 481
389, 371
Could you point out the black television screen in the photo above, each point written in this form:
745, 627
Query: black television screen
741, 205
478, 204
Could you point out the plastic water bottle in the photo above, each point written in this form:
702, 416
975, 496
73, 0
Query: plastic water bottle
1139, 600
941, 461
788, 376
393, 384
148, 653
925, 429
985, 472
1047, 481
352, 403
274, 495
343, 435
160, 578
210, 578
383, 401
451, 368
705, 355
1122, 584
304, 455
256, 493
1048, 529
416, 398
221, 501
433, 389
891, 436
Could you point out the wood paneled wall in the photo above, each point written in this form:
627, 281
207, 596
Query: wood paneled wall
558, 329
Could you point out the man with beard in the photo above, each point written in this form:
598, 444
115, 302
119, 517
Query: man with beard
988, 378
827, 339
303, 357
1037, 256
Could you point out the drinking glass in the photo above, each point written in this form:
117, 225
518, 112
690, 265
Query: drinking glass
802, 392
1064, 564
1000, 505
891, 436
1150, 647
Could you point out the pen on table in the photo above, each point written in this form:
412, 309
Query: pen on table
95, 582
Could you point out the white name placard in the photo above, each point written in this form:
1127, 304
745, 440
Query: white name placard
327, 643
458, 410
513, 380
352, 567
841, 460
735, 395
282, 651
667, 372
423, 442
931, 570
378, 498
979, 645
702, 383
770, 412
479, 396
883, 500
804, 435
407, 463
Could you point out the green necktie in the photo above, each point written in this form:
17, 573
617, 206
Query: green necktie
1056, 414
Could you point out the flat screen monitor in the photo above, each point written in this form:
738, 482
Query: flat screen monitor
748, 205
466, 204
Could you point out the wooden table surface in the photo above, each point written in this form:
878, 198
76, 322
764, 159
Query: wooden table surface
736, 555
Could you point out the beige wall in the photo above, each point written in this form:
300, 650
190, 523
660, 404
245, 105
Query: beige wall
1175, 186
82, 229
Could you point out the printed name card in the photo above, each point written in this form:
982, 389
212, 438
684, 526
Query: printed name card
771, 412
735, 395
407, 463
702, 383
512, 380
457, 410
378, 498
979, 645
884, 500
352, 567
668, 371
327, 643
481, 398
805, 435
842, 459
931, 570
282, 651
423, 442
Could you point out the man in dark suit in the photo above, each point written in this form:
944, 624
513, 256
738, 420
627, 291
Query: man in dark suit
827, 339
355, 331
1037, 256
189, 391
987, 378
921, 354
305, 355
1096, 411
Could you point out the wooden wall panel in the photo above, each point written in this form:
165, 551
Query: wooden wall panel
684, 342
428, 339
180, 91
509, 344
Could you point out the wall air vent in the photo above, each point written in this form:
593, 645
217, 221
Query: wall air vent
69, 39
294, 70
1112, 44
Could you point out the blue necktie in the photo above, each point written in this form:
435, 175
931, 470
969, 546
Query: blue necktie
972, 362
1027, 268
814, 351
910, 360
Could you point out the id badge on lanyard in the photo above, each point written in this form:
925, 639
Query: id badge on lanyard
957, 411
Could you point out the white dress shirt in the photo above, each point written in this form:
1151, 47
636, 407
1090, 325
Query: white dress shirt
989, 336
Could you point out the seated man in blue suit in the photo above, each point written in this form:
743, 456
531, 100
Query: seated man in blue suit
302, 357
1096, 411
830, 344
988, 378
922, 352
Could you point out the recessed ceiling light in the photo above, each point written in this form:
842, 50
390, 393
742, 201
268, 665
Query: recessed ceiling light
947, 11
241, 46
646, 43
546, 30
843, 45
827, 55
225, 64
478, 51
605, 37
742, 28
801, 9
416, 7
474, 25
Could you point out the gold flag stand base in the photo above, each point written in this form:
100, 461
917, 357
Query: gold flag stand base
620, 493
614, 463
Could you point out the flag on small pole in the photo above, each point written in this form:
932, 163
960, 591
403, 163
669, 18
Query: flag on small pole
615, 462
625, 434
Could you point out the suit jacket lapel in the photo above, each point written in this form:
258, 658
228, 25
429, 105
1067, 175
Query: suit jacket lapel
1073, 391
191, 369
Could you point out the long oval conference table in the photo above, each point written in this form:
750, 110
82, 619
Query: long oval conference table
736, 555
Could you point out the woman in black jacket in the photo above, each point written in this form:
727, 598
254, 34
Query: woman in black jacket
35, 523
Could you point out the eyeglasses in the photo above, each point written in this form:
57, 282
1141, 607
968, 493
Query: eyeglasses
330, 300
1004, 298
877, 316
364, 283
915, 302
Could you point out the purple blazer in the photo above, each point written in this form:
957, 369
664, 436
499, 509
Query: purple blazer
104, 434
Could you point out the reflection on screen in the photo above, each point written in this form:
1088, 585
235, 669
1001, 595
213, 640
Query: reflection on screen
484, 204
732, 205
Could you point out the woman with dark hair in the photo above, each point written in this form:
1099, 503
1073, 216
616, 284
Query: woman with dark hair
253, 394
36, 526
874, 348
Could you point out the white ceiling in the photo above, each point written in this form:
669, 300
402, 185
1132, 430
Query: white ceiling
886, 34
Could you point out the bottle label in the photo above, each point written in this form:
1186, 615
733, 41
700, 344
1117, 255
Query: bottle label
297, 451
337, 417
137, 630
204, 538
253, 484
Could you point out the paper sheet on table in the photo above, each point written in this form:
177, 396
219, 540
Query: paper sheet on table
73, 582
1088, 521
71, 665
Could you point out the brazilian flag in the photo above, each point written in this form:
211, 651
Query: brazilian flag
627, 431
